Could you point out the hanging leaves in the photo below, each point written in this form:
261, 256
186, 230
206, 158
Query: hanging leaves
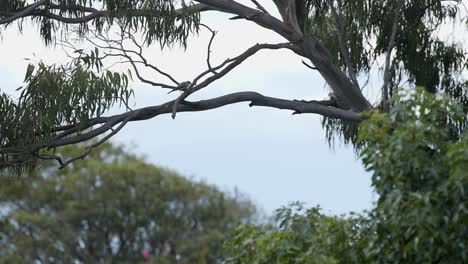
56, 95
156, 19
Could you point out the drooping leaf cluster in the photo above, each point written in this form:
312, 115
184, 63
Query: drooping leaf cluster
419, 52
418, 156
420, 56
109, 207
54, 96
342, 131
156, 19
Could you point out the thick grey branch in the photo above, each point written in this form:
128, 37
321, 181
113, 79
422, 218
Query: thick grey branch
308, 46
231, 64
106, 123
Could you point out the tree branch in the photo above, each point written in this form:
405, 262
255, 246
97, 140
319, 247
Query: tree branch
89, 13
23, 13
259, 6
213, 34
391, 45
348, 95
101, 141
107, 123
341, 41
308, 46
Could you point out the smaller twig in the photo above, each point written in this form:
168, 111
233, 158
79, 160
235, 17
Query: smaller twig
213, 34
309, 66
48, 157
236, 17
259, 6
141, 78
118, 47
115, 63
342, 43
101, 141
391, 45
142, 57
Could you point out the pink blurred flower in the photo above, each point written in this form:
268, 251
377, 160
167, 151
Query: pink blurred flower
145, 253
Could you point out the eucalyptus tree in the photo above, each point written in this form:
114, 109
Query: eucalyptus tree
418, 159
341, 40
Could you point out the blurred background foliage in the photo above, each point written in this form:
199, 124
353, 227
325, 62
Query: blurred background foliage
114, 207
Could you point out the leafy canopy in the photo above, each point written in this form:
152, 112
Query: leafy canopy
419, 171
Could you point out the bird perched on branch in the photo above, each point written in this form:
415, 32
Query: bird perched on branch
181, 87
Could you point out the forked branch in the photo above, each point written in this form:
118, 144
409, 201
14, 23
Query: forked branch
346, 106
106, 124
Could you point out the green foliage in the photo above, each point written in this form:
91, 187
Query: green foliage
418, 156
354, 23
62, 94
342, 131
110, 206
56, 95
156, 19
302, 236
420, 56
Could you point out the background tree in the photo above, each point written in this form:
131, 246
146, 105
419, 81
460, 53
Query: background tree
418, 159
341, 40
109, 208
300, 236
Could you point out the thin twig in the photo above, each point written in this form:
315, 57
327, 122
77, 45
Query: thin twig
101, 141
342, 43
391, 45
259, 6
213, 34
309, 66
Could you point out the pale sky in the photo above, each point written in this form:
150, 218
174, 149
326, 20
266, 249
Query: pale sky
273, 157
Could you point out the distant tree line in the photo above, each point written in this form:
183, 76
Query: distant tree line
114, 207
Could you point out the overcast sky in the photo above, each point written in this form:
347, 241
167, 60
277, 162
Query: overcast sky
268, 154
